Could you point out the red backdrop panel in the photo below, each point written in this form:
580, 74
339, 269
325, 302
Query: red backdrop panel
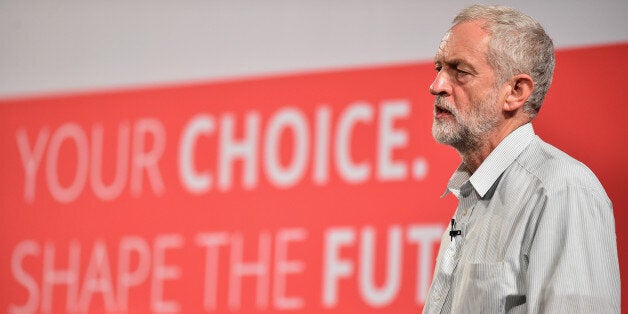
313, 193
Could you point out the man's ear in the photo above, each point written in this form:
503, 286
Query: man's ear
520, 88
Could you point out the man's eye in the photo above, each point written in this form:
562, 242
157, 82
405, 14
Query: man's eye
438, 68
462, 72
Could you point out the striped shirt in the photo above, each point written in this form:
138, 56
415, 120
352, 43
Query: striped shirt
537, 236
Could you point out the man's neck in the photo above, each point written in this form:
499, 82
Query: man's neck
474, 159
476, 156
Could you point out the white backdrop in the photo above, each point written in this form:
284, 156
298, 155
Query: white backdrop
71, 45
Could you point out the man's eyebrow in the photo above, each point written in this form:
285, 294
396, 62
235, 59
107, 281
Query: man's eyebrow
438, 58
455, 63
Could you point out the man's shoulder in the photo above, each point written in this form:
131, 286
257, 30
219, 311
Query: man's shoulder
556, 170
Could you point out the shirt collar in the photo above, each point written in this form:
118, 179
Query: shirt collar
460, 176
494, 165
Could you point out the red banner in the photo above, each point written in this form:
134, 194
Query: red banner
312, 193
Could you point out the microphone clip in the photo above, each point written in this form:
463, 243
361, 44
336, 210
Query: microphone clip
452, 232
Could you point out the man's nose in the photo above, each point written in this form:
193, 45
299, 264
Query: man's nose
441, 85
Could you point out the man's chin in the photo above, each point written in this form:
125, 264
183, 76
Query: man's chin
444, 137
444, 131
453, 135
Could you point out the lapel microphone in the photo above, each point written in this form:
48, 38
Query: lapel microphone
453, 233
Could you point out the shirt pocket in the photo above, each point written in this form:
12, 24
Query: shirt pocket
481, 289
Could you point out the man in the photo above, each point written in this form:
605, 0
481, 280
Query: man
534, 230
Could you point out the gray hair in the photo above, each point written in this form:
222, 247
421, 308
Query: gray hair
518, 45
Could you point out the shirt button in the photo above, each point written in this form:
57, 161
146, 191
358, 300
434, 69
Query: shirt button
465, 212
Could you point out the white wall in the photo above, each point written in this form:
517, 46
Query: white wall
74, 45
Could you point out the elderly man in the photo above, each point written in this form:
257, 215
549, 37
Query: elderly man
534, 230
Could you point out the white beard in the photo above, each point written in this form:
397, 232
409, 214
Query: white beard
468, 129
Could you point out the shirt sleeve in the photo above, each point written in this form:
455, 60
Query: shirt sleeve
573, 265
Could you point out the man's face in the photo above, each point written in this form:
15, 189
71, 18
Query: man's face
465, 109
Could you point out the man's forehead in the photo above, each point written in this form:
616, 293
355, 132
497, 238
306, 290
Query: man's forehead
464, 40
445, 38
442, 46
